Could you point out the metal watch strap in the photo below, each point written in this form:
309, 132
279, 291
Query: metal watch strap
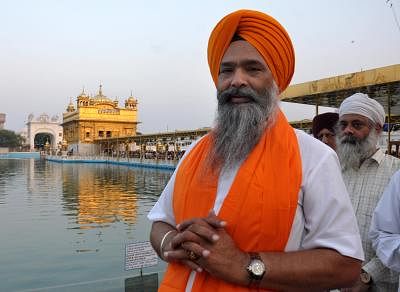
254, 256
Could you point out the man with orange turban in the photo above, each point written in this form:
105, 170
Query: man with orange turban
255, 203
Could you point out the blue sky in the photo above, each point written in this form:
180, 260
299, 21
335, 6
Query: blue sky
50, 49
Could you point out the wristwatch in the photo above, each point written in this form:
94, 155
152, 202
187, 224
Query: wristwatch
365, 277
255, 269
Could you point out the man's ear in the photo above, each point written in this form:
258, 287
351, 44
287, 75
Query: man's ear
378, 128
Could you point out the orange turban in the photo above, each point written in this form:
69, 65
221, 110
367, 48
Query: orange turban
263, 32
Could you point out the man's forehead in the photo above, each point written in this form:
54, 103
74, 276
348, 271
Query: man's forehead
241, 50
324, 130
352, 117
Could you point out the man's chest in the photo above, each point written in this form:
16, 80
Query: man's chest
365, 188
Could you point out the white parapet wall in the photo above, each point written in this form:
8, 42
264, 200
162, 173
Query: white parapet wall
4, 150
84, 149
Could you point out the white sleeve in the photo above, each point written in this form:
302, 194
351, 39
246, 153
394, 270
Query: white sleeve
163, 210
329, 218
385, 225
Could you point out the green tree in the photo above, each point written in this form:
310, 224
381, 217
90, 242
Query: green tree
10, 139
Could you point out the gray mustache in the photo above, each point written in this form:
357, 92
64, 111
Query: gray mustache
349, 140
225, 96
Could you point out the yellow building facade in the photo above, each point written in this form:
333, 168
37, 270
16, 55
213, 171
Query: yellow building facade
97, 117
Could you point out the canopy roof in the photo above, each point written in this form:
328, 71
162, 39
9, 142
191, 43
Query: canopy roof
382, 84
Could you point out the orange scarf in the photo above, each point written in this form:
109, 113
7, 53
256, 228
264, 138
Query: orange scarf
260, 205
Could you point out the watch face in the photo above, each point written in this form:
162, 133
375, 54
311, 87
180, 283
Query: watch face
365, 277
257, 268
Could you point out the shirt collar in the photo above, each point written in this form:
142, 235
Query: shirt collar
378, 156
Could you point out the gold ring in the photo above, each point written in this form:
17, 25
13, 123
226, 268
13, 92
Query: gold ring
191, 255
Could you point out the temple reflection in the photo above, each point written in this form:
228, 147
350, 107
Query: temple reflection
66, 225
97, 197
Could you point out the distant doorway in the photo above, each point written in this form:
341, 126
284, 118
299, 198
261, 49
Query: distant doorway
41, 139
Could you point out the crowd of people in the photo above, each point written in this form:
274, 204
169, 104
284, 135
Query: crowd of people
258, 205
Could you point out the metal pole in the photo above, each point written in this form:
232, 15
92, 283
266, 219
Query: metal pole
388, 122
117, 146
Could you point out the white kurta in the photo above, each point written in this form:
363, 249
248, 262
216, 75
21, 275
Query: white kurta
365, 186
324, 216
385, 225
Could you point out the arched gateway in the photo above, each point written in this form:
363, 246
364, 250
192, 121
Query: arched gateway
44, 132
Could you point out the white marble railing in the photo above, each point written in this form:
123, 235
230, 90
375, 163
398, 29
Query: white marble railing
156, 163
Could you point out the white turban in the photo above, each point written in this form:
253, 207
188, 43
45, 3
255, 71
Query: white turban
361, 104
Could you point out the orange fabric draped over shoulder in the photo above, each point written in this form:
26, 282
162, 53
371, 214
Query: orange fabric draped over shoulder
263, 32
259, 207
262, 201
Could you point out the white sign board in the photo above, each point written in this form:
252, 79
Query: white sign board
140, 255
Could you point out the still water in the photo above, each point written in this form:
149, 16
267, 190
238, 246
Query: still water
64, 227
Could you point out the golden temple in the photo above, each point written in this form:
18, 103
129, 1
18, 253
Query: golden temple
98, 117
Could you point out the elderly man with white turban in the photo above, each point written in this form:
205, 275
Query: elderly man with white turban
366, 171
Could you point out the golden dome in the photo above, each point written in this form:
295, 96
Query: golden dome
71, 106
131, 99
83, 94
100, 98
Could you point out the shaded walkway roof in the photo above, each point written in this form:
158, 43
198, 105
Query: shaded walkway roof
382, 84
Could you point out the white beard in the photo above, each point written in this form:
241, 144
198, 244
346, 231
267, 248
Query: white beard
353, 151
239, 127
